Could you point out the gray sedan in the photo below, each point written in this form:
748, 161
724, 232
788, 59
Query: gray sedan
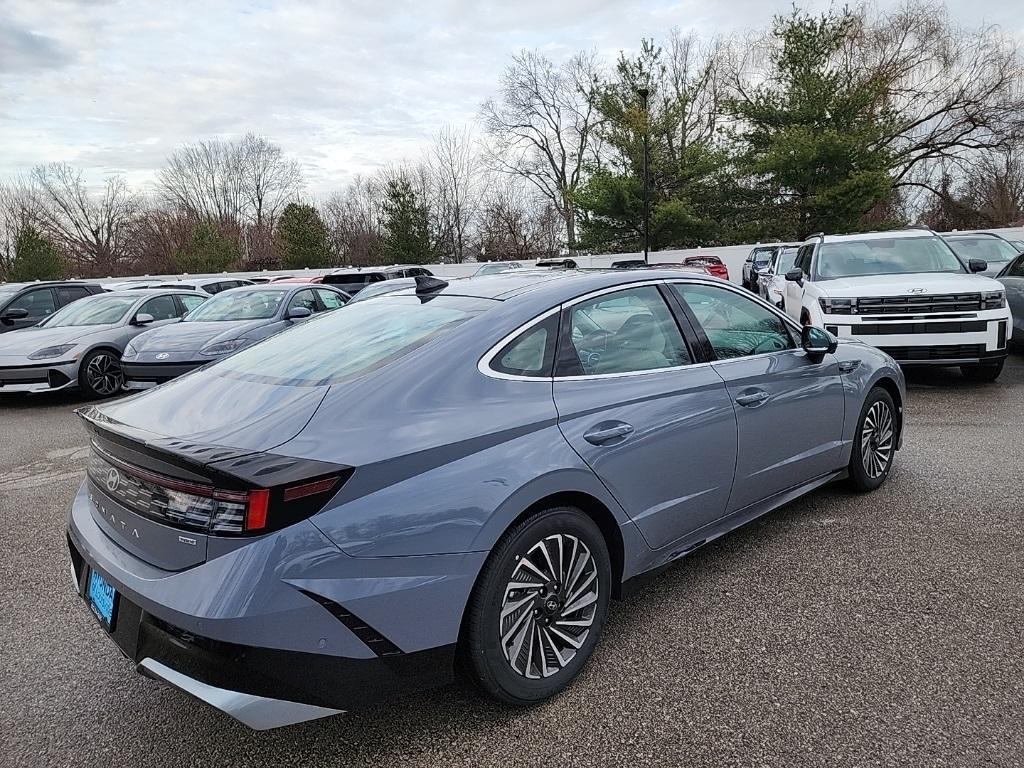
81, 345
230, 321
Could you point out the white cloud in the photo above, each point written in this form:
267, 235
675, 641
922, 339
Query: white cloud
343, 86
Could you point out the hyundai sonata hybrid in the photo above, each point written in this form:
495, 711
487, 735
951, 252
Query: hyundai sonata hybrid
454, 476
228, 322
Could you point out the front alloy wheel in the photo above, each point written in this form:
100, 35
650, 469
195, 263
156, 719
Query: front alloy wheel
875, 441
538, 607
101, 374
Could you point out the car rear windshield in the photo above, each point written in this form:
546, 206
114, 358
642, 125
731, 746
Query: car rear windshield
243, 305
99, 310
353, 340
992, 249
886, 256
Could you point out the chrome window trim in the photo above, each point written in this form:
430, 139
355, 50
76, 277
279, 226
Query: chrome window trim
485, 362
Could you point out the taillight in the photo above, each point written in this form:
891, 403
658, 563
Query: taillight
217, 511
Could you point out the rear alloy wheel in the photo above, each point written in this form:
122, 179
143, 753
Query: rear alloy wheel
982, 373
874, 445
539, 607
100, 374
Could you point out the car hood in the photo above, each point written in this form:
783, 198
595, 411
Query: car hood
900, 285
191, 337
28, 340
209, 409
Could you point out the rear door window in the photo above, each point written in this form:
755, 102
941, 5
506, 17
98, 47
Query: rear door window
190, 302
68, 293
330, 299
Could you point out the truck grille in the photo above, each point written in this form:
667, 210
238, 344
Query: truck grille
907, 305
943, 352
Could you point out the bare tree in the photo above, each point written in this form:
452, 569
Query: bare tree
542, 125
457, 178
247, 181
91, 227
518, 222
353, 219
15, 215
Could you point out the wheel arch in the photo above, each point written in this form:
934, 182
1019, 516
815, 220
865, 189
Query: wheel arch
890, 386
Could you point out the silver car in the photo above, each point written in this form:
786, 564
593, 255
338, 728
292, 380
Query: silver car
81, 345
1012, 277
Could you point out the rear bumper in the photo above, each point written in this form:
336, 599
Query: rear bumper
145, 375
44, 377
285, 628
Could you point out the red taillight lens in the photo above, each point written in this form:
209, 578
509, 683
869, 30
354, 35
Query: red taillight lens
256, 511
309, 489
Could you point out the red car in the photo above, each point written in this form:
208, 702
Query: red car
712, 264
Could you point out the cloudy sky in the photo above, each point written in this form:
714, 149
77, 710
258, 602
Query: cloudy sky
112, 86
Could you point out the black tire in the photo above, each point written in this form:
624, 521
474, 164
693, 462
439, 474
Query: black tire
100, 374
867, 474
982, 373
482, 647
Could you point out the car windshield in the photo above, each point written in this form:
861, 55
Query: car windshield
991, 249
886, 256
360, 338
244, 305
96, 310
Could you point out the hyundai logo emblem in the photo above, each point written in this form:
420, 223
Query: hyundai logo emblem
162, 356
113, 480
916, 290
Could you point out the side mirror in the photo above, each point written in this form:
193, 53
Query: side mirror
142, 319
298, 313
977, 265
795, 276
15, 314
817, 342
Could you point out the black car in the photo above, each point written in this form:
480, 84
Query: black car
557, 263
352, 281
22, 305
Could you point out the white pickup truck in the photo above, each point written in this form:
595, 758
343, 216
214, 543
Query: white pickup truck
905, 292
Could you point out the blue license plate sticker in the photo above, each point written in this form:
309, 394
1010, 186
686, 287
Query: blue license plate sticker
102, 599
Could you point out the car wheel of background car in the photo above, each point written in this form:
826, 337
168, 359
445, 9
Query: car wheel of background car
538, 607
982, 372
100, 374
874, 444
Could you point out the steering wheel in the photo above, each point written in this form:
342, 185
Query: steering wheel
769, 344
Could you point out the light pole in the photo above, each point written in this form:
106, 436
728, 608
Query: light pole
643, 93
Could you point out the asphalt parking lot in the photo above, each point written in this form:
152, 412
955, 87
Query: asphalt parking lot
885, 629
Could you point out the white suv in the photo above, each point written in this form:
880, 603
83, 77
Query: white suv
905, 292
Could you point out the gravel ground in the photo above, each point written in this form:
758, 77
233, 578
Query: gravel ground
885, 629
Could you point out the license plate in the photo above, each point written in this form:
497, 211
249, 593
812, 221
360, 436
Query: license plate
102, 599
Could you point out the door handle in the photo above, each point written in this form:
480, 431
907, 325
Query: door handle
752, 399
602, 435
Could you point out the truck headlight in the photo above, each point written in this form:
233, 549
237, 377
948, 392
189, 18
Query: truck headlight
993, 300
838, 306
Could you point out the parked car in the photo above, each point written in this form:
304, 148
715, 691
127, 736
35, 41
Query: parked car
80, 345
22, 305
384, 287
1012, 278
714, 265
711, 265
905, 292
352, 281
307, 280
757, 260
557, 263
132, 284
771, 282
494, 267
995, 250
230, 321
208, 286
339, 513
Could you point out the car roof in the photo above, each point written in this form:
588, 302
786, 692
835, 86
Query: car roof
145, 292
559, 285
46, 283
895, 234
